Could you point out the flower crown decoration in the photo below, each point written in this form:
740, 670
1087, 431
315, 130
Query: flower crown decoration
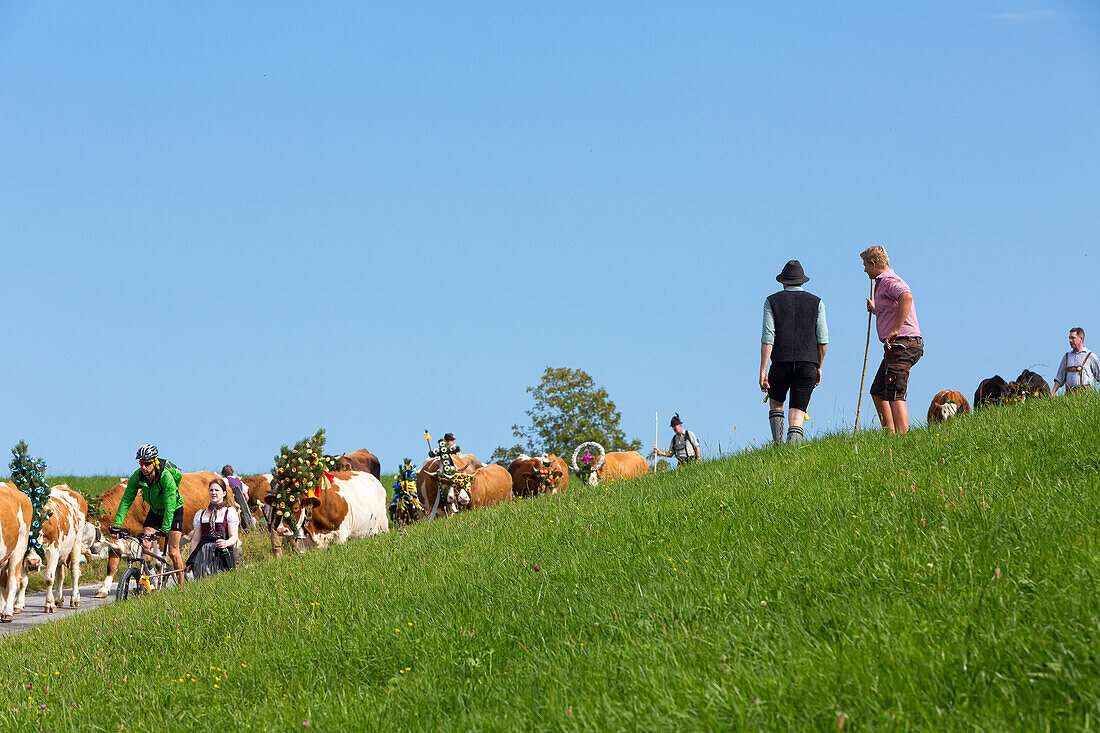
29, 475
299, 472
1019, 392
588, 463
545, 475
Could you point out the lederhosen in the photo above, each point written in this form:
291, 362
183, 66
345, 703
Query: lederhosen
1080, 370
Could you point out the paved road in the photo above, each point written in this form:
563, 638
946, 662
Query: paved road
34, 614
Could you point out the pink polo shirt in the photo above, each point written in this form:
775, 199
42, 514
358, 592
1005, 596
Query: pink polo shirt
888, 288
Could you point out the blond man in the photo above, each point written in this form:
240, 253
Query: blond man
896, 324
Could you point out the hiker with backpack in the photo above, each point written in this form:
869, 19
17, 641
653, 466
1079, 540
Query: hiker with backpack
240, 495
159, 483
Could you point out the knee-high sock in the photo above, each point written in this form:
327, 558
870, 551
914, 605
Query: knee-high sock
775, 417
794, 434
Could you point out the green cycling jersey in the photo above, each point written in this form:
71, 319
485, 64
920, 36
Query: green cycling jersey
161, 492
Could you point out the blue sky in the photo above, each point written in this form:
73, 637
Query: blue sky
227, 225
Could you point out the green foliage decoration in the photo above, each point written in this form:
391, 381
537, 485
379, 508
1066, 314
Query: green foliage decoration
569, 409
29, 476
298, 471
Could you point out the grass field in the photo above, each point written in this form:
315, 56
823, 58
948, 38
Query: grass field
942, 580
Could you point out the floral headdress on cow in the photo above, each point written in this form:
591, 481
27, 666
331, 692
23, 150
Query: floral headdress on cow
29, 475
589, 464
405, 507
299, 474
545, 475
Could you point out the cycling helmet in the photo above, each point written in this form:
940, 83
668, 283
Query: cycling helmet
147, 452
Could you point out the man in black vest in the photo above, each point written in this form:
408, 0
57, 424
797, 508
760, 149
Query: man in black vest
795, 337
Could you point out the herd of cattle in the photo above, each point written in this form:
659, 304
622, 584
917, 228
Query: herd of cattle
355, 505
992, 391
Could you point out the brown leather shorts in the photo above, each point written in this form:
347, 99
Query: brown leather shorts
892, 380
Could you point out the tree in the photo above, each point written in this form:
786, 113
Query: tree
569, 410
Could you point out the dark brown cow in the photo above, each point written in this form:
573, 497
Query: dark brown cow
195, 492
1032, 384
526, 480
360, 460
15, 522
622, 464
990, 392
946, 405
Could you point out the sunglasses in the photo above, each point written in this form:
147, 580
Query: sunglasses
145, 463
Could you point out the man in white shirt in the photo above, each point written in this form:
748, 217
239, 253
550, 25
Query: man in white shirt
1080, 368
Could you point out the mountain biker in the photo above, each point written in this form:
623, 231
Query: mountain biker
159, 482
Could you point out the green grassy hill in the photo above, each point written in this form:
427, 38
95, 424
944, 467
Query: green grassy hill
946, 579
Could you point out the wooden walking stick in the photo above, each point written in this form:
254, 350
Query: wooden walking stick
866, 351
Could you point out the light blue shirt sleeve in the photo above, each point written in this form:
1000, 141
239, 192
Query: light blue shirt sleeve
1060, 376
822, 326
767, 335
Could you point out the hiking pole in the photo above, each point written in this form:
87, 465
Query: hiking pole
866, 351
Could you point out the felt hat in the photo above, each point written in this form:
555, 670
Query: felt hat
675, 421
449, 436
792, 274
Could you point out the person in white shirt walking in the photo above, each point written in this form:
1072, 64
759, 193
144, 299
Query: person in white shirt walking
1080, 368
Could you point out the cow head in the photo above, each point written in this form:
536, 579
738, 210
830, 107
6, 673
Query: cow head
33, 561
91, 540
458, 493
297, 508
948, 410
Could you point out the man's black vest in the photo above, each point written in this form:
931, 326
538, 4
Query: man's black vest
795, 315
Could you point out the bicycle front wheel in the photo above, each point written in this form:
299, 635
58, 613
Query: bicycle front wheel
129, 585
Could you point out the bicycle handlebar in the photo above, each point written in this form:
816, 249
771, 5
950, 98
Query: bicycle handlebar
139, 538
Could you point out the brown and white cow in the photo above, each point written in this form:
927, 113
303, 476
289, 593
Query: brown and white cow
490, 484
354, 506
427, 479
526, 480
61, 545
15, 522
622, 464
360, 460
195, 492
946, 404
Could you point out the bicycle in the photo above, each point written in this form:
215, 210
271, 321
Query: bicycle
139, 578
